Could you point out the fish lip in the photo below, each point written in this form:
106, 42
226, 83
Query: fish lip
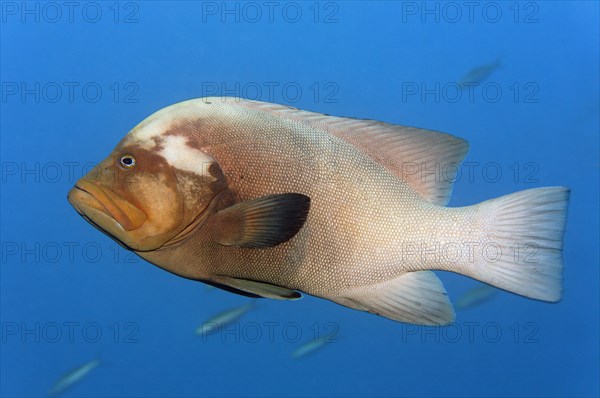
92, 197
78, 203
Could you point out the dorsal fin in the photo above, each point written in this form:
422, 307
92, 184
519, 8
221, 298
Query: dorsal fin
424, 159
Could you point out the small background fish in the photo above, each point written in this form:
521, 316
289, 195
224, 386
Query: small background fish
73, 377
476, 296
224, 318
480, 73
314, 345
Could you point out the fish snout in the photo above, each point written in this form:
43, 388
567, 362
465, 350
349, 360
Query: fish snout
93, 200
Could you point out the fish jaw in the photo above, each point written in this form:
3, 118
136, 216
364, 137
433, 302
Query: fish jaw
89, 197
110, 213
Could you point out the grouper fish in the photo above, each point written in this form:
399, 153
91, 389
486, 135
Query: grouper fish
270, 201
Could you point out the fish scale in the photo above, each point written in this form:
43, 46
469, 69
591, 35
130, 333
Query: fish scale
371, 232
330, 236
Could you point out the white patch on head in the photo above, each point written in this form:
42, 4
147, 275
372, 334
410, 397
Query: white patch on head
149, 129
180, 155
161, 121
174, 147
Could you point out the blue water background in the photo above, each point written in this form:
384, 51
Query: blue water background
360, 58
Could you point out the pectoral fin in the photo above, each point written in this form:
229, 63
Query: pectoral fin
262, 222
258, 288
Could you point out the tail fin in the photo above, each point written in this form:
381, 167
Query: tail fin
528, 228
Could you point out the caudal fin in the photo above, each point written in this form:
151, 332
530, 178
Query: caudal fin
525, 231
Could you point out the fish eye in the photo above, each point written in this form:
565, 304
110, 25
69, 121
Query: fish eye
127, 161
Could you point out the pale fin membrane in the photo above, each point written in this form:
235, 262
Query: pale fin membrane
534, 221
415, 297
426, 160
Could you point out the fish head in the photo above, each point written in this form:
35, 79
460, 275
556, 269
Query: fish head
151, 189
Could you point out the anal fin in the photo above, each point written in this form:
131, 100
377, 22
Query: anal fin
415, 297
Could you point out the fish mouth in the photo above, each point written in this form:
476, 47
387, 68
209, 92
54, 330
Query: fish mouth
96, 203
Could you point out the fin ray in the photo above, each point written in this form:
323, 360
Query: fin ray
263, 222
415, 297
534, 219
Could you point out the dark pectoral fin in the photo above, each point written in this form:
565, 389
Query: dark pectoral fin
260, 289
262, 222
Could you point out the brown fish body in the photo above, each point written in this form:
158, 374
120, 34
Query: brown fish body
356, 219
374, 226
